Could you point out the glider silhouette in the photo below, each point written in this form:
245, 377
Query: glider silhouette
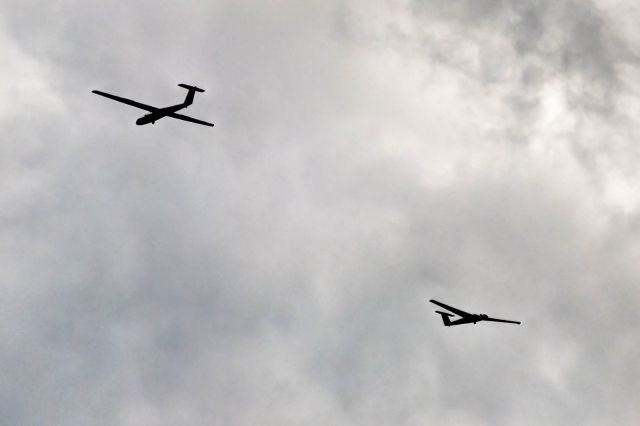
465, 317
158, 113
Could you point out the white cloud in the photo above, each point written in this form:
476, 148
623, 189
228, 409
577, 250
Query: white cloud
276, 268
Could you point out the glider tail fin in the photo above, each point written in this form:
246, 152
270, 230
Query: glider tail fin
191, 93
445, 318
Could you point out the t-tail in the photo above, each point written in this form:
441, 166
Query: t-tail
192, 91
445, 318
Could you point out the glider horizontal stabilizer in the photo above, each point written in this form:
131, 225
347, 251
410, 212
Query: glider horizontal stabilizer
186, 86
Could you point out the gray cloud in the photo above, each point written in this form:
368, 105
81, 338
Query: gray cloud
276, 268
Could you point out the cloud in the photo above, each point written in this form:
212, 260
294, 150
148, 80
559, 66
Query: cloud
277, 268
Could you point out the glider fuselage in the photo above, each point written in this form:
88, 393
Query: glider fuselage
158, 114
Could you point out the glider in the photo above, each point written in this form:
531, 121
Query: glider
158, 113
465, 317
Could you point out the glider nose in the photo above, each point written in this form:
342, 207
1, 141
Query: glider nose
143, 120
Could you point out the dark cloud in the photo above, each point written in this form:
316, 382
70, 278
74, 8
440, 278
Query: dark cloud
276, 268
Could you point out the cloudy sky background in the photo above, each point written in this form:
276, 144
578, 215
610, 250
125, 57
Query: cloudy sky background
276, 269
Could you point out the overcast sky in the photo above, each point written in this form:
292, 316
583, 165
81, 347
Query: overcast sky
368, 156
